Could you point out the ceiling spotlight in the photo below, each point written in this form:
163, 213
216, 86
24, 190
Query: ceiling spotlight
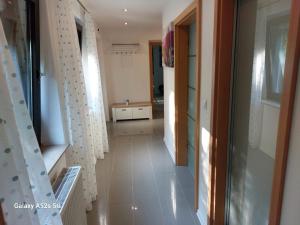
125, 23
125, 10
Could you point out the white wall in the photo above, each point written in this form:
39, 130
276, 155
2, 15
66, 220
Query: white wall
128, 76
205, 110
171, 11
269, 129
291, 200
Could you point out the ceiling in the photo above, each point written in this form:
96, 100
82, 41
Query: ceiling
140, 14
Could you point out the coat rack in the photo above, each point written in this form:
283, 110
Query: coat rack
125, 49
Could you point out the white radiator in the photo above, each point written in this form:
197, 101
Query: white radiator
69, 194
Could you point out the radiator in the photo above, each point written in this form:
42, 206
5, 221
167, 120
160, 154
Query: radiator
69, 194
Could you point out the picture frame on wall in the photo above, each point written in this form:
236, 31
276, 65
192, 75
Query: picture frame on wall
168, 46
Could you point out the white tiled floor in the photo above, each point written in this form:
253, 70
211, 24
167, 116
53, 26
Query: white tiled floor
138, 183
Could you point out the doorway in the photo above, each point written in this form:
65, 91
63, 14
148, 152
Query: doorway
256, 68
156, 79
256, 94
187, 90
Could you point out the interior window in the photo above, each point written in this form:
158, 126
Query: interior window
20, 24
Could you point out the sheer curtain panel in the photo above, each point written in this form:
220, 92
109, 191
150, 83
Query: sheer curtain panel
24, 180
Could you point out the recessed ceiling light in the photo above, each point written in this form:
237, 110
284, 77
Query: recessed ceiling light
125, 10
125, 23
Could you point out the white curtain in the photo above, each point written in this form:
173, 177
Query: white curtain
94, 87
72, 85
100, 47
80, 89
22, 171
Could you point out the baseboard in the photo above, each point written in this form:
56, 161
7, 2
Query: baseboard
202, 220
170, 150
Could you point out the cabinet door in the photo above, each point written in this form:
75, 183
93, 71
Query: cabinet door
141, 112
124, 113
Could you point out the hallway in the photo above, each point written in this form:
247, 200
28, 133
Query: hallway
138, 183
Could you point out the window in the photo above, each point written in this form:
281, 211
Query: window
20, 21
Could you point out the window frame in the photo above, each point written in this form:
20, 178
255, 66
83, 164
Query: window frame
33, 44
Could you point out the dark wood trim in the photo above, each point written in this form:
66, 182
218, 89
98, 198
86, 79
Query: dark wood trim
181, 93
187, 16
151, 44
2, 221
190, 14
223, 45
222, 61
286, 113
151, 70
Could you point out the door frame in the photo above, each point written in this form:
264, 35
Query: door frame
220, 113
181, 23
152, 43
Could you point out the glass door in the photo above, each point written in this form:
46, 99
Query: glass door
191, 112
260, 51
